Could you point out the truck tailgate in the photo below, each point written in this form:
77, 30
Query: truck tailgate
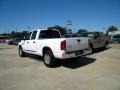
75, 44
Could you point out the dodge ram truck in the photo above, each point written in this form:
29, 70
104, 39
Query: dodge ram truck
51, 45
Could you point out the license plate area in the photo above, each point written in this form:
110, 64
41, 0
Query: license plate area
79, 52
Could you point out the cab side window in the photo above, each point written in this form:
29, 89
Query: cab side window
42, 35
33, 35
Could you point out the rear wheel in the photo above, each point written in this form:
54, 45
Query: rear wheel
106, 46
91, 49
21, 53
49, 59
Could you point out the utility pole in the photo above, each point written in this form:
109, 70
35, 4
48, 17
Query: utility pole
69, 23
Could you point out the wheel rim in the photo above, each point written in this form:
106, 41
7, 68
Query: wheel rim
47, 58
20, 51
91, 50
106, 46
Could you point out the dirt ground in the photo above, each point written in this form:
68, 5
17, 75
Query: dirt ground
99, 71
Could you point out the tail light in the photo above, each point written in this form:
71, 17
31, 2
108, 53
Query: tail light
63, 45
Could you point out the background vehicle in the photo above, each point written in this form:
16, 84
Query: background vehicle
2, 40
13, 41
96, 39
50, 45
115, 38
9, 41
16, 41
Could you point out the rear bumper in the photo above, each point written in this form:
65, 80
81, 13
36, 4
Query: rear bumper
74, 54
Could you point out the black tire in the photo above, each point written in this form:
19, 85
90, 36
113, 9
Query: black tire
106, 46
49, 59
21, 53
92, 49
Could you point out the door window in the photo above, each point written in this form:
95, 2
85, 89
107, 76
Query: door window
34, 35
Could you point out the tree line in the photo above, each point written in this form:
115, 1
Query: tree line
14, 34
109, 29
62, 30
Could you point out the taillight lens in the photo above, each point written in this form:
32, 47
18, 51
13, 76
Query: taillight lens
63, 45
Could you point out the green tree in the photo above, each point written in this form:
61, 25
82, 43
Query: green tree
61, 29
81, 30
4, 34
112, 29
13, 34
24, 33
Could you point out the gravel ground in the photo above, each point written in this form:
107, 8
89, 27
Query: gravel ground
99, 71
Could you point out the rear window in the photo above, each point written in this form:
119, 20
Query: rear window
49, 34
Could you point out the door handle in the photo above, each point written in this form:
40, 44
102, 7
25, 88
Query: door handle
27, 42
33, 42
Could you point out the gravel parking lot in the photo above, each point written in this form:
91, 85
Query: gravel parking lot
99, 71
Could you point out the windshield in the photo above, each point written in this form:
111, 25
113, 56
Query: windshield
116, 36
88, 34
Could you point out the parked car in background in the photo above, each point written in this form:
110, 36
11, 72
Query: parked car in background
115, 38
96, 39
2, 40
16, 41
13, 41
9, 41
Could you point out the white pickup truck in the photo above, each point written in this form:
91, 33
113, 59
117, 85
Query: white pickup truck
51, 45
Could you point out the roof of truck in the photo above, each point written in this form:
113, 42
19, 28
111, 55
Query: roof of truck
45, 29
